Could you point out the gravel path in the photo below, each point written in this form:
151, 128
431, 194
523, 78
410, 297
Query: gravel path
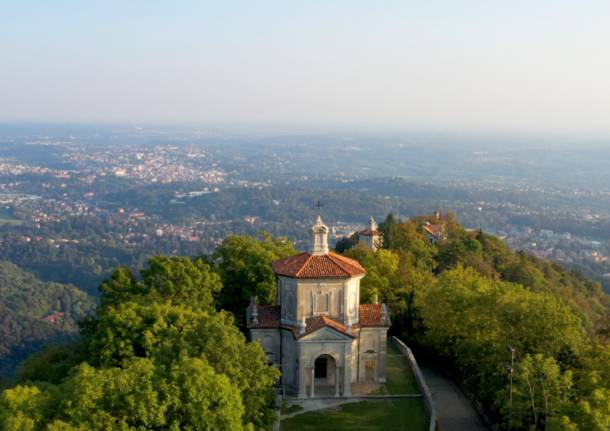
455, 413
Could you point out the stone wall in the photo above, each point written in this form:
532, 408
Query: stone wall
338, 299
371, 345
421, 382
270, 341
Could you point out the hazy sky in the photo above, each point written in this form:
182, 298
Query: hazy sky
454, 64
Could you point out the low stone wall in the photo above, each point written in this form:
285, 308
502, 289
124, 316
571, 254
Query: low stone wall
421, 382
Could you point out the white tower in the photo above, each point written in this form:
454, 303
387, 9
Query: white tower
370, 237
319, 238
373, 225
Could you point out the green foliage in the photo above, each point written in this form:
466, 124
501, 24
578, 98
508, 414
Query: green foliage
119, 287
164, 331
381, 268
591, 409
371, 415
408, 237
468, 296
395, 280
156, 356
175, 279
25, 302
52, 364
540, 394
244, 264
457, 311
346, 243
140, 395
465, 298
24, 408
182, 280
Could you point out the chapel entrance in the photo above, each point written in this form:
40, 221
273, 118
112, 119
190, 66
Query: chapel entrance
325, 376
321, 367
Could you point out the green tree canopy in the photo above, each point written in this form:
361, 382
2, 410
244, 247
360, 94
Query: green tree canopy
157, 355
244, 264
188, 395
540, 395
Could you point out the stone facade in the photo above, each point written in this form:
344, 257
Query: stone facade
320, 335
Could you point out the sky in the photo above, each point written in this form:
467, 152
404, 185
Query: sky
468, 65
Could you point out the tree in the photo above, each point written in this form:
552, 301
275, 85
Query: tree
244, 264
541, 394
34, 314
381, 267
182, 280
204, 399
157, 355
346, 243
591, 411
23, 408
163, 332
397, 282
408, 237
119, 287
388, 227
460, 324
139, 395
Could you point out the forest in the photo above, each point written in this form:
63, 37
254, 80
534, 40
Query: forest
528, 338
494, 316
162, 351
34, 313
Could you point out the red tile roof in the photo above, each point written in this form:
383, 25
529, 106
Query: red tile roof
268, 317
318, 322
54, 317
307, 265
435, 230
372, 315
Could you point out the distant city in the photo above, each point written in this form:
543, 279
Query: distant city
129, 192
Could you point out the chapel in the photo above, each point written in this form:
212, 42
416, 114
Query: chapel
320, 335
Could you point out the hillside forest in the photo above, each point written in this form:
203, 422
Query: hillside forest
165, 347
34, 313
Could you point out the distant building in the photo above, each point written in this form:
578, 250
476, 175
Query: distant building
370, 237
437, 230
54, 317
320, 336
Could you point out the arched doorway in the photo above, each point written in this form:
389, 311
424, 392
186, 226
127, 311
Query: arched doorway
325, 380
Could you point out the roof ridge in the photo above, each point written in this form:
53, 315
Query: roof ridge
345, 261
310, 265
304, 263
341, 264
334, 324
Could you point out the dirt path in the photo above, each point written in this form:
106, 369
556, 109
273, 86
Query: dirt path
455, 413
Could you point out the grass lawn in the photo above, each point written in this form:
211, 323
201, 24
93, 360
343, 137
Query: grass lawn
391, 414
290, 409
407, 414
399, 378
